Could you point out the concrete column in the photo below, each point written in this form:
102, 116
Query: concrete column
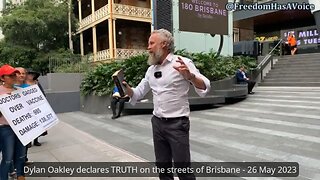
111, 24
80, 11
152, 15
114, 38
94, 42
81, 44
92, 10
316, 12
111, 44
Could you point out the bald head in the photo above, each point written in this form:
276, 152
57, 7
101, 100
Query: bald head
21, 77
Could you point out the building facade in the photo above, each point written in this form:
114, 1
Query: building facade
113, 29
19, 2
249, 25
271, 25
202, 41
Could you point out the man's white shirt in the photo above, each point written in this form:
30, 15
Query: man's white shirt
170, 91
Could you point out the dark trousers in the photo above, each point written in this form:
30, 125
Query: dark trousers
12, 150
171, 142
250, 85
121, 104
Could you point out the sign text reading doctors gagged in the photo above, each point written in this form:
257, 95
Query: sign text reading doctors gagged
27, 112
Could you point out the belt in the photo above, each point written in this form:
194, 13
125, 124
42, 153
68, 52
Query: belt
171, 118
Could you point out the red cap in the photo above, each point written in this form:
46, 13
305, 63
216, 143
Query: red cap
7, 70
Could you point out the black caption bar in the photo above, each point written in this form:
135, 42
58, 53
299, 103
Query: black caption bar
149, 169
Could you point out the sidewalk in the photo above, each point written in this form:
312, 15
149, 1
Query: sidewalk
65, 143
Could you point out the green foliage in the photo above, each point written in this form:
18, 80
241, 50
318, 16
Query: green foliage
72, 67
135, 68
69, 64
9, 6
46, 62
99, 81
216, 67
16, 55
33, 32
39, 24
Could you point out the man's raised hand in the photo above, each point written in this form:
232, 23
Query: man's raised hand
183, 69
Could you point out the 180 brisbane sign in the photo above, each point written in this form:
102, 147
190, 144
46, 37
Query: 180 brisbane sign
204, 16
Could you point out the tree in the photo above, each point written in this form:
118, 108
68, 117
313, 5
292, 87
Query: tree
19, 56
40, 26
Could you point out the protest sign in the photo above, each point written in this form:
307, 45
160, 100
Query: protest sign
28, 113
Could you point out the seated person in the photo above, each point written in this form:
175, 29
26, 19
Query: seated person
242, 78
117, 98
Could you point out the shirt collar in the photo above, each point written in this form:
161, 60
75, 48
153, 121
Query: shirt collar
170, 57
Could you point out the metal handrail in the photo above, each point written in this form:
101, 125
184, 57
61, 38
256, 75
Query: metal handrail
268, 55
262, 64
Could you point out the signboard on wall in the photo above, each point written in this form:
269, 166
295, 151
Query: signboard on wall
307, 37
203, 16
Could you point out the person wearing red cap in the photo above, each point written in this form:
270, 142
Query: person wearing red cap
11, 146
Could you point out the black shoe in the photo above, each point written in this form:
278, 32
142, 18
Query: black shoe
37, 143
27, 163
44, 133
29, 145
251, 92
13, 174
114, 117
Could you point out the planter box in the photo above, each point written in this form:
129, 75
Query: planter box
220, 90
95, 104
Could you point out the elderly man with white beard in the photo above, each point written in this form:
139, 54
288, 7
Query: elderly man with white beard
169, 77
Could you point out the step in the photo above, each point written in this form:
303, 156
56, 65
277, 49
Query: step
297, 84
305, 54
298, 62
302, 61
299, 59
293, 80
298, 79
315, 60
294, 71
313, 67
289, 81
297, 65
310, 55
278, 75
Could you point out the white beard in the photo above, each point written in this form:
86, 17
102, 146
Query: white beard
155, 58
